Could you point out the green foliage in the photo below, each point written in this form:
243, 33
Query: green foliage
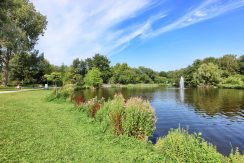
236, 81
116, 114
93, 78
123, 74
92, 106
20, 27
235, 157
55, 77
134, 118
184, 147
67, 92
241, 63
161, 80
229, 64
208, 74
29, 68
100, 62
138, 119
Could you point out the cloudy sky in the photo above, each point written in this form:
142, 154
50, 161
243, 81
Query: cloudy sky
160, 34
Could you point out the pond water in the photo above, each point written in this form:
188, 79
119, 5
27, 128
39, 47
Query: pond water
217, 113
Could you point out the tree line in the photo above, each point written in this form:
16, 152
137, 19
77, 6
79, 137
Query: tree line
226, 71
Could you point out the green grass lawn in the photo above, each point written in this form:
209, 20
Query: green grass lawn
33, 130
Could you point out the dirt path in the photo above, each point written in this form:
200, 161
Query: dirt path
23, 90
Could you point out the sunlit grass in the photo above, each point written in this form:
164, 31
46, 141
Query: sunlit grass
32, 129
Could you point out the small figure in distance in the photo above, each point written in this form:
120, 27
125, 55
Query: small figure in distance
18, 87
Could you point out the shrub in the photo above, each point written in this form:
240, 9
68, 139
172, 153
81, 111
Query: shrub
139, 118
232, 82
67, 92
102, 116
235, 157
116, 112
79, 100
92, 106
184, 147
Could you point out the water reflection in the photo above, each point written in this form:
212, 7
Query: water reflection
217, 101
182, 95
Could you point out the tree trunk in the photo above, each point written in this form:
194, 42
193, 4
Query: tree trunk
6, 59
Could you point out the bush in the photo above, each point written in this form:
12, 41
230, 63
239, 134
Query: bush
236, 157
111, 114
184, 147
139, 118
92, 106
116, 112
102, 116
232, 82
67, 92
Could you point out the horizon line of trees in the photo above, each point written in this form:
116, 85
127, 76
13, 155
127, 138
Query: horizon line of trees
33, 68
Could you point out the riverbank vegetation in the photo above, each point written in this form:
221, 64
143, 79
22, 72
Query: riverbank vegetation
33, 129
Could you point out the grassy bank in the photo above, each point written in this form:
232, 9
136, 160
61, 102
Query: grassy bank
32, 129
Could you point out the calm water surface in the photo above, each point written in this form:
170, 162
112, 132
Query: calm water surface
217, 113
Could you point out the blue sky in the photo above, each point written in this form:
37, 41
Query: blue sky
160, 34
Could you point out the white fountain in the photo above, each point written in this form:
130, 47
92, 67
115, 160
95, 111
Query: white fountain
182, 93
182, 83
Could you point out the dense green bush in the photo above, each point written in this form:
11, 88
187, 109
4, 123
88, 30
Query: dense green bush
184, 147
139, 118
116, 112
134, 118
235, 81
67, 92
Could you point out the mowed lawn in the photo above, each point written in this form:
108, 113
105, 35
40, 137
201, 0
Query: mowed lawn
34, 130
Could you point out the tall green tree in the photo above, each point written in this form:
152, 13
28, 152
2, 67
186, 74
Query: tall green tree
208, 74
229, 64
54, 77
93, 78
20, 27
102, 63
29, 68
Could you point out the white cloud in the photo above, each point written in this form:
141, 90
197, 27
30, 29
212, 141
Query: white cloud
81, 28
207, 10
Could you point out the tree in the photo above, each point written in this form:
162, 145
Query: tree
208, 74
93, 78
29, 68
229, 64
163, 74
152, 74
241, 62
123, 74
20, 28
101, 62
54, 77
